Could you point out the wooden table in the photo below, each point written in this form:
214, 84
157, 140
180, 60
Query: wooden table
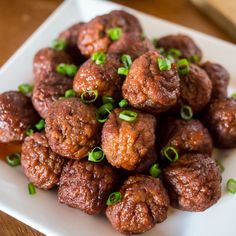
20, 18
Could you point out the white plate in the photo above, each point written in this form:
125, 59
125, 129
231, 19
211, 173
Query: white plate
42, 211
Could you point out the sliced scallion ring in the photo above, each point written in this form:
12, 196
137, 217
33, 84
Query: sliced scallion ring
40, 125
31, 189
183, 67
231, 185
59, 44
89, 96
13, 159
154, 170
114, 33
99, 57
96, 155
108, 99
123, 103
26, 89
164, 64
128, 115
29, 132
175, 53
170, 153
186, 112
114, 198
70, 93
103, 112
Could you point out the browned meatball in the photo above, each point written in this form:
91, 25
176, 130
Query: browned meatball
71, 128
148, 88
93, 35
103, 78
132, 44
182, 42
48, 90
129, 144
46, 60
220, 119
40, 164
144, 203
195, 89
186, 136
193, 182
16, 115
219, 77
86, 185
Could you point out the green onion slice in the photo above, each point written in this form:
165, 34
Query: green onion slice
99, 57
183, 67
61, 68
128, 115
126, 60
103, 112
231, 185
96, 155
123, 103
31, 189
108, 99
155, 171
70, 93
123, 71
175, 53
26, 89
114, 33
220, 165
40, 125
114, 198
29, 132
195, 58
186, 112
89, 96
164, 64
59, 44
67, 69
13, 159
170, 153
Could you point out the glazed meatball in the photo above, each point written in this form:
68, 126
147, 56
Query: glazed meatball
40, 164
132, 44
86, 185
94, 37
46, 61
16, 115
184, 43
195, 89
186, 136
219, 77
147, 88
193, 182
129, 144
220, 119
144, 203
103, 78
71, 128
48, 90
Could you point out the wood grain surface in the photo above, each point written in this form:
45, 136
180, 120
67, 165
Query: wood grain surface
20, 18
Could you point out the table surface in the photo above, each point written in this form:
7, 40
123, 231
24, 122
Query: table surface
20, 18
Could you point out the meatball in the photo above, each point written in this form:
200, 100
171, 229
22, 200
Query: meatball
132, 44
93, 35
103, 78
144, 203
129, 144
86, 185
147, 88
219, 77
220, 119
193, 182
16, 115
40, 164
71, 128
195, 89
186, 136
46, 60
184, 43
48, 90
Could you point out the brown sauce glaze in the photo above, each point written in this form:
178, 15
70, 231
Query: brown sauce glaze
8, 148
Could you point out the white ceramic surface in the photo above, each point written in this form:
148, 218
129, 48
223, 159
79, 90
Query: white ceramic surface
42, 211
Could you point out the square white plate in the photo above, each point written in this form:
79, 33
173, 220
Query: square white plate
42, 211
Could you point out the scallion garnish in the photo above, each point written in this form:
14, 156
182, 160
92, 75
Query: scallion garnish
114, 198
231, 185
31, 189
13, 159
96, 155
67, 69
114, 33
186, 112
26, 89
175, 53
70, 93
40, 125
89, 96
99, 57
220, 165
183, 67
59, 44
123, 103
170, 153
155, 171
29, 132
195, 58
164, 64
107, 99
103, 112
123, 71
128, 115
126, 60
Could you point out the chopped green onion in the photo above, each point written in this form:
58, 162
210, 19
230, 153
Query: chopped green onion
128, 115
114, 198
67, 69
61, 68
103, 112
123, 71
195, 58
233, 95
29, 132
186, 112
107, 99
99, 58
170, 153
183, 67
70, 93
59, 44
126, 60
175, 53
89, 96
123, 103
13, 159
155, 171
40, 125
114, 33
31, 189
164, 64
220, 165
26, 89
96, 155
170, 58
231, 185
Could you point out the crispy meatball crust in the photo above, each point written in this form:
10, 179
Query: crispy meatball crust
16, 115
181, 42
71, 128
49, 89
103, 78
86, 185
129, 144
40, 164
220, 119
147, 88
93, 35
144, 203
219, 77
193, 182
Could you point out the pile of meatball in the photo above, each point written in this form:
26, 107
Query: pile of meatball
57, 156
